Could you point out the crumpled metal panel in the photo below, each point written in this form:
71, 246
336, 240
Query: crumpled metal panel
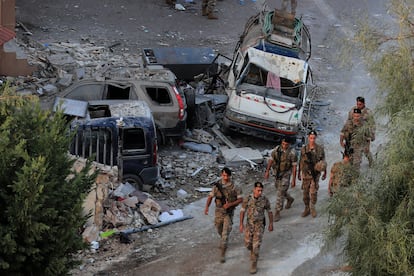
285, 67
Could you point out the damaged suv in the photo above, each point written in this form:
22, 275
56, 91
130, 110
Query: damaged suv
157, 86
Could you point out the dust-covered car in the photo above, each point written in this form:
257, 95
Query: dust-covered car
157, 86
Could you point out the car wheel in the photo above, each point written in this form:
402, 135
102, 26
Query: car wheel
134, 180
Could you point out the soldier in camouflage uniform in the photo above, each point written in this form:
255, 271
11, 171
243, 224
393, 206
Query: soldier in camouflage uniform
367, 119
255, 205
312, 164
227, 196
283, 161
207, 9
355, 136
341, 174
293, 5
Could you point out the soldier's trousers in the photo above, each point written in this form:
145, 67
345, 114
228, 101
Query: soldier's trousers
282, 187
310, 192
224, 223
253, 235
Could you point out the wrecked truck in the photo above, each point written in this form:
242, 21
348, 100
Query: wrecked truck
268, 78
115, 133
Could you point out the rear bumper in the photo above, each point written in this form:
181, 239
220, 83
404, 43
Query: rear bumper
177, 131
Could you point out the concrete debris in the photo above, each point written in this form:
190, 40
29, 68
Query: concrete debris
234, 157
197, 171
197, 147
182, 194
203, 189
150, 210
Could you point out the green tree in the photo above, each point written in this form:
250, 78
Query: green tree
40, 197
375, 217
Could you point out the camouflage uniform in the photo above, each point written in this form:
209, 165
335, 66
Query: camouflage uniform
310, 184
283, 162
223, 219
293, 5
208, 5
341, 176
367, 118
359, 137
253, 233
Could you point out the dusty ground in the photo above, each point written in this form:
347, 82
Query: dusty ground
190, 247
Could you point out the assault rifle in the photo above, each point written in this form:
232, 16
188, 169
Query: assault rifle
279, 157
223, 198
220, 188
311, 165
348, 148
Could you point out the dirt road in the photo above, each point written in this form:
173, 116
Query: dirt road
191, 247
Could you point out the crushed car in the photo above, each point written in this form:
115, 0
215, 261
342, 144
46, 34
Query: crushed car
155, 85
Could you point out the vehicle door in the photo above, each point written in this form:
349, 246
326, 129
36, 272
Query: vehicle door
163, 102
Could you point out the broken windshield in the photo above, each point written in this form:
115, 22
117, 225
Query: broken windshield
258, 81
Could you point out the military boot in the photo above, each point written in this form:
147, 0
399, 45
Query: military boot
211, 15
306, 212
289, 202
223, 255
204, 11
253, 268
313, 212
277, 216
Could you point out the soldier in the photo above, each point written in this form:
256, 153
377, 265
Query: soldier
293, 5
207, 9
368, 120
255, 205
227, 196
355, 136
312, 164
283, 161
341, 174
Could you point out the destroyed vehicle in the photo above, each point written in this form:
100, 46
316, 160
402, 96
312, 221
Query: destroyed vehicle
277, 32
267, 90
157, 87
115, 133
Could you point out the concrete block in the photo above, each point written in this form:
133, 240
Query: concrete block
238, 156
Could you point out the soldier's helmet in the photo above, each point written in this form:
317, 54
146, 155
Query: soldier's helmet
320, 166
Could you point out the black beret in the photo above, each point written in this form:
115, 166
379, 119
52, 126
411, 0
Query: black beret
258, 184
312, 132
360, 99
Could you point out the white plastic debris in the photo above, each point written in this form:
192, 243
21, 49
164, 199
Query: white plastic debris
179, 7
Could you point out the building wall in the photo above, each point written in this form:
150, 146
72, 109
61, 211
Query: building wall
9, 64
8, 14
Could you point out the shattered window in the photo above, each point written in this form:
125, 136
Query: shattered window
134, 139
117, 92
159, 94
87, 92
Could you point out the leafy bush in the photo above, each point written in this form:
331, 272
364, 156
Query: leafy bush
376, 216
40, 213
